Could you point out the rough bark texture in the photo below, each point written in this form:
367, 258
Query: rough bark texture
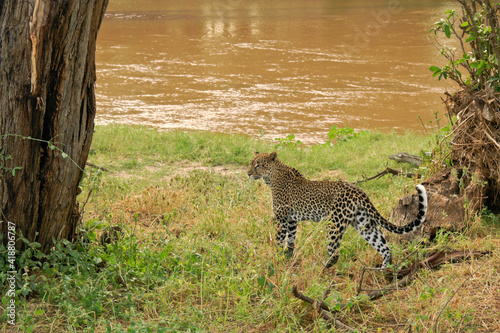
452, 194
47, 77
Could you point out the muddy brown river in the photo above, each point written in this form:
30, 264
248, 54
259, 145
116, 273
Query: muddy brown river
269, 68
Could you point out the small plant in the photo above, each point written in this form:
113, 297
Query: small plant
476, 25
288, 141
490, 219
3, 159
343, 133
264, 285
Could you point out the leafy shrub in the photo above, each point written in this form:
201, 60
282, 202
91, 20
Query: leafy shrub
476, 25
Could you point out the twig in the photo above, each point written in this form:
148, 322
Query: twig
386, 172
377, 293
299, 295
96, 166
420, 118
82, 210
330, 285
323, 310
493, 140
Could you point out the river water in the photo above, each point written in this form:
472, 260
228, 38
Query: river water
269, 68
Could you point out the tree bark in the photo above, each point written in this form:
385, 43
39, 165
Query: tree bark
47, 106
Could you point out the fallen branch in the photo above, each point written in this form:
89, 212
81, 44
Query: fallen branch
376, 294
312, 301
323, 310
432, 262
407, 158
386, 172
96, 166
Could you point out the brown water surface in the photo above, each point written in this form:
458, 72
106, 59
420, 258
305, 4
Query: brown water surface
269, 67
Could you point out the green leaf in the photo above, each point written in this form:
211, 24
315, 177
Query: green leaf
435, 69
261, 280
14, 171
447, 31
39, 312
64, 155
464, 24
475, 65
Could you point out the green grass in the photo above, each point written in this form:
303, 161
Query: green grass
197, 252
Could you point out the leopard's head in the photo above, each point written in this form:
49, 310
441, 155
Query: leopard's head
262, 165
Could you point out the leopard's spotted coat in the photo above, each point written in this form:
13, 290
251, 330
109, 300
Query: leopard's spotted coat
297, 199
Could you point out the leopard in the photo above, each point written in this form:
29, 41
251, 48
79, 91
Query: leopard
296, 199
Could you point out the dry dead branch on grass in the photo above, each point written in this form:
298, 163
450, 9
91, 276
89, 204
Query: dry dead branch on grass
323, 310
431, 262
92, 165
405, 275
388, 171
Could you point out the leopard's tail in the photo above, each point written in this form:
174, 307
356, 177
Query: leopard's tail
422, 212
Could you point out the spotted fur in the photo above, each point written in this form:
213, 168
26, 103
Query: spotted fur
298, 199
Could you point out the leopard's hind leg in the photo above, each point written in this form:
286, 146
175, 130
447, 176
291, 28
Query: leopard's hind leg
292, 231
367, 228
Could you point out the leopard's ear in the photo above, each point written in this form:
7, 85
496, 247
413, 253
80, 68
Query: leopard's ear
273, 156
255, 152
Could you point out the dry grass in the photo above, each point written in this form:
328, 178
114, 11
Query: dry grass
176, 210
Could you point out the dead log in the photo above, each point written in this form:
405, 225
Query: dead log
407, 158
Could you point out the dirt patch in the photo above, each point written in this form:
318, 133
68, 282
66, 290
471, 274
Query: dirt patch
125, 175
332, 175
185, 168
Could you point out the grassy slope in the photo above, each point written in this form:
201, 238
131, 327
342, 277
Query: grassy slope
198, 255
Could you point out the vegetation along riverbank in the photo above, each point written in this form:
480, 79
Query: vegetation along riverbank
174, 237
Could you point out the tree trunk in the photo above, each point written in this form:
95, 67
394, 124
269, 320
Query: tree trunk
47, 106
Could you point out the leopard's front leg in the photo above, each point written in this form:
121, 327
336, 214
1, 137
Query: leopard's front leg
281, 214
280, 232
